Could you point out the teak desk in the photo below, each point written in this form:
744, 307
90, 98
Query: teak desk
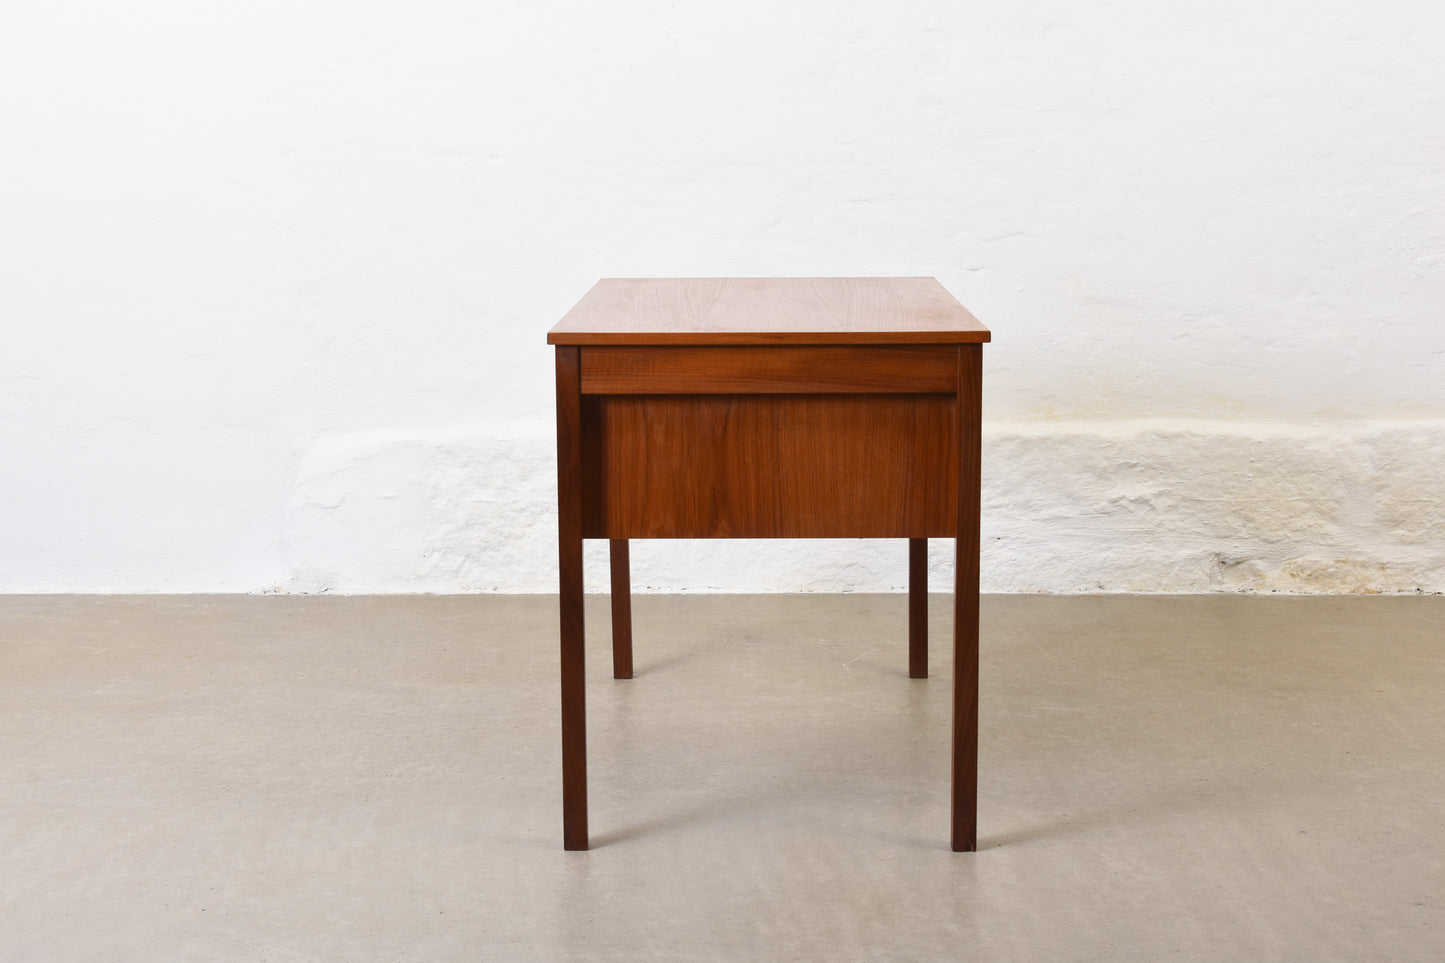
769, 408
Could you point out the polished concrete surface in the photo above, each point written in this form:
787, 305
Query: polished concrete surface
377, 778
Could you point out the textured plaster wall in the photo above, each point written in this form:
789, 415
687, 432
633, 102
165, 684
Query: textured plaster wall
274, 279
1140, 506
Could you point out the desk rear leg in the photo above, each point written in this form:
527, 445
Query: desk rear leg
621, 610
918, 608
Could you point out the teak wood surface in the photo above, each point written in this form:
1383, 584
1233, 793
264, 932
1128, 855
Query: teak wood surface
769, 408
785, 369
768, 311
769, 466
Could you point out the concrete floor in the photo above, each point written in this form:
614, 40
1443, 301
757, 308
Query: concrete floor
377, 778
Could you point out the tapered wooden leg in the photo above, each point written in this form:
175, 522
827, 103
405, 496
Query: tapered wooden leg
569, 519
918, 608
621, 610
964, 828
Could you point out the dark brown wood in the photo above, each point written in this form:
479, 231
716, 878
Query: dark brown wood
918, 605
621, 610
768, 311
964, 821
785, 369
573, 654
769, 466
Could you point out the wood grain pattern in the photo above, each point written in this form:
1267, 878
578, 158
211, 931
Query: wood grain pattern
769, 466
963, 832
791, 369
573, 649
768, 311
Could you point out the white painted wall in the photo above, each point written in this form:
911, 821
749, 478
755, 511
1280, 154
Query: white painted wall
275, 277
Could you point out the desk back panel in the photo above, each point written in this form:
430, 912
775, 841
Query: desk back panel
769, 466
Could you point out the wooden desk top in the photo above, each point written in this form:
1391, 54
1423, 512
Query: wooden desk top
741, 311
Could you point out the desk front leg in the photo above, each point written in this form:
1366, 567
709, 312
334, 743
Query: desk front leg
964, 822
569, 529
